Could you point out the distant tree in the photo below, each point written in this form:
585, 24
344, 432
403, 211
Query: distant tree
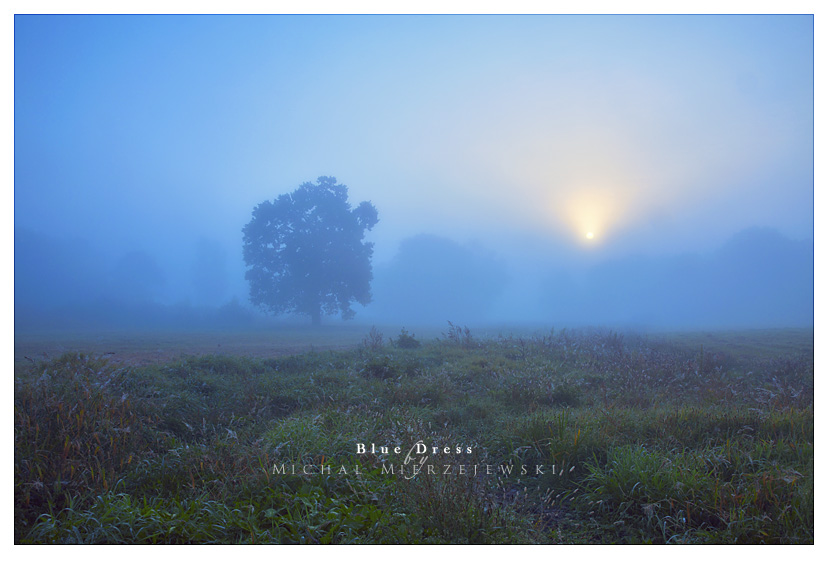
434, 279
305, 252
209, 272
56, 271
137, 278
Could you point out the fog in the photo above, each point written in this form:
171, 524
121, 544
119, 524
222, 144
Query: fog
638, 171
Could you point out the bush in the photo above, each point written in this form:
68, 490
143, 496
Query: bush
406, 341
380, 367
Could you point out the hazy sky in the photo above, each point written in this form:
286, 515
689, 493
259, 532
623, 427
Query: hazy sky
655, 133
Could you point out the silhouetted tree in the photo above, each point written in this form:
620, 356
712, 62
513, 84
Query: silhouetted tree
305, 252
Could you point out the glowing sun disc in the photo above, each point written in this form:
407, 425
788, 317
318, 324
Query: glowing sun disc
589, 235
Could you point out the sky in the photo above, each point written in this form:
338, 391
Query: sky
654, 135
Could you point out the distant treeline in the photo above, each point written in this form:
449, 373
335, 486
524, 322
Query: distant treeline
69, 283
758, 278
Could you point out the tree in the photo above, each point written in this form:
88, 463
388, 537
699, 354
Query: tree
305, 252
137, 278
209, 272
435, 279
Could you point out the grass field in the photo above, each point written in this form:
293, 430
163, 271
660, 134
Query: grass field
141, 348
443, 436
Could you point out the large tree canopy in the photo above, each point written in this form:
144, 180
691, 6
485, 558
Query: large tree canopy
305, 252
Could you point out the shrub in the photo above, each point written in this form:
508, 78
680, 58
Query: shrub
381, 367
406, 341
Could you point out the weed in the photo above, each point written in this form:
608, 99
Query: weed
373, 340
458, 336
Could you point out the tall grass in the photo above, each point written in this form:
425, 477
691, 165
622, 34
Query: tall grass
642, 440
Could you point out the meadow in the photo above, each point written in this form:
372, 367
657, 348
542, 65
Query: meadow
567, 436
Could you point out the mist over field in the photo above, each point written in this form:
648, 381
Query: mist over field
623, 171
414, 279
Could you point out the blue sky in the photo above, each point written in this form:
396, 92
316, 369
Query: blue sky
655, 133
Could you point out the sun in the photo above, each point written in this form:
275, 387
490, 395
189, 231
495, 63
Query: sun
589, 235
